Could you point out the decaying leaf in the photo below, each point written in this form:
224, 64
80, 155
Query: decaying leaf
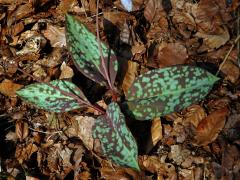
169, 54
85, 51
9, 88
59, 99
129, 76
21, 130
117, 142
156, 131
231, 71
213, 41
208, 129
162, 91
153, 164
56, 36
24, 152
66, 71
194, 115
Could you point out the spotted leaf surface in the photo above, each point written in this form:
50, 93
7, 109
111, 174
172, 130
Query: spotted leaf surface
162, 91
83, 46
117, 142
57, 100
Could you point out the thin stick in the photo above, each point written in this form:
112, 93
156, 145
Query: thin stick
79, 100
100, 50
227, 55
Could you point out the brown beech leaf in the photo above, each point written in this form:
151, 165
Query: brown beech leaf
9, 88
213, 41
56, 35
231, 71
24, 152
156, 131
21, 130
194, 115
108, 173
130, 75
210, 15
169, 54
82, 128
208, 129
153, 9
153, 164
66, 71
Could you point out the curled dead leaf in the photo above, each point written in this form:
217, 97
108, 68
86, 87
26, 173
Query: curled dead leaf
231, 71
171, 54
56, 35
130, 75
23, 153
66, 71
21, 130
153, 164
194, 115
156, 131
213, 41
9, 88
209, 128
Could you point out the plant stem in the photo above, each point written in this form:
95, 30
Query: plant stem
227, 55
100, 50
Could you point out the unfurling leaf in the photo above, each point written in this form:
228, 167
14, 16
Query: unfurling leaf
59, 99
117, 142
86, 55
162, 91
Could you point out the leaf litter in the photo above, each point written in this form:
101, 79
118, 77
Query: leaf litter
201, 141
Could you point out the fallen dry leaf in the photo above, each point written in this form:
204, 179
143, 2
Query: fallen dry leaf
208, 129
56, 35
129, 76
169, 54
231, 71
154, 10
213, 41
66, 71
156, 131
194, 115
24, 152
153, 164
9, 88
21, 130
108, 173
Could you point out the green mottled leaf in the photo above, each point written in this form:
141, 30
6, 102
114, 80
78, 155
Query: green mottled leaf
59, 99
162, 91
117, 142
85, 52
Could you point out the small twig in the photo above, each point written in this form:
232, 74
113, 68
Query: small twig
227, 55
100, 49
74, 96
51, 133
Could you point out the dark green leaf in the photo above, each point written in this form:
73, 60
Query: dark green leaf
85, 52
162, 91
59, 99
117, 142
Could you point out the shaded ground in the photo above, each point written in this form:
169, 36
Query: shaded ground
200, 142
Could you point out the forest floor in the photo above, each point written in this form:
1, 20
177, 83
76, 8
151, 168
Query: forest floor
201, 141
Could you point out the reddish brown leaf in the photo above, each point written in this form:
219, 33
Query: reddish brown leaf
21, 130
9, 88
208, 129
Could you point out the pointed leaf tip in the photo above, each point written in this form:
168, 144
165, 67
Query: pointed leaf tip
46, 97
163, 91
83, 46
117, 142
